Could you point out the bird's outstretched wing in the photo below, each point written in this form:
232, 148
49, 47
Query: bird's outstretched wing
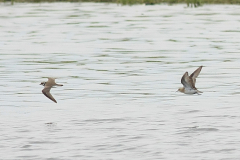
51, 80
46, 92
187, 81
195, 74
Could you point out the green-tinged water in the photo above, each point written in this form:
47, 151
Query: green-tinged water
120, 67
189, 3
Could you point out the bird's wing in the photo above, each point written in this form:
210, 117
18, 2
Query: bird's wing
187, 81
195, 74
51, 80
46, 92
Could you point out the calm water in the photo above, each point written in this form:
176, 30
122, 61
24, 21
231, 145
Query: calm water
120, 67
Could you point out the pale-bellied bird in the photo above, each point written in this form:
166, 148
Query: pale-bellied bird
47, 87
189, 82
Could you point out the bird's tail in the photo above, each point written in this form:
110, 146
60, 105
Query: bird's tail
198, 92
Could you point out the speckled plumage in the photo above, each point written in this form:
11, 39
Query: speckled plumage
189, 82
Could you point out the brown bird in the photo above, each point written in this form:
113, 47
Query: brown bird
189, 82
47, 87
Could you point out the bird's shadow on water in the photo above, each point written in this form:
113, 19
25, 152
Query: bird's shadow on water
50, 126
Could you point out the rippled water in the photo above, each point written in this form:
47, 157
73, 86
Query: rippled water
120, 67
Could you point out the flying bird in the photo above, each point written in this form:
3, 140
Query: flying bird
47, 87
189, 82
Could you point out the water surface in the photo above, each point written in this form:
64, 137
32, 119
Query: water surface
120, 67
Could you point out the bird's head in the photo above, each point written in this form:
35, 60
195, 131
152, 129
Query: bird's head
180, 90
43, 83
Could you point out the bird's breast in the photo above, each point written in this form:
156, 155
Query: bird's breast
190, 91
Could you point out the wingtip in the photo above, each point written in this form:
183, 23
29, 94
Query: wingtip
53, 100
